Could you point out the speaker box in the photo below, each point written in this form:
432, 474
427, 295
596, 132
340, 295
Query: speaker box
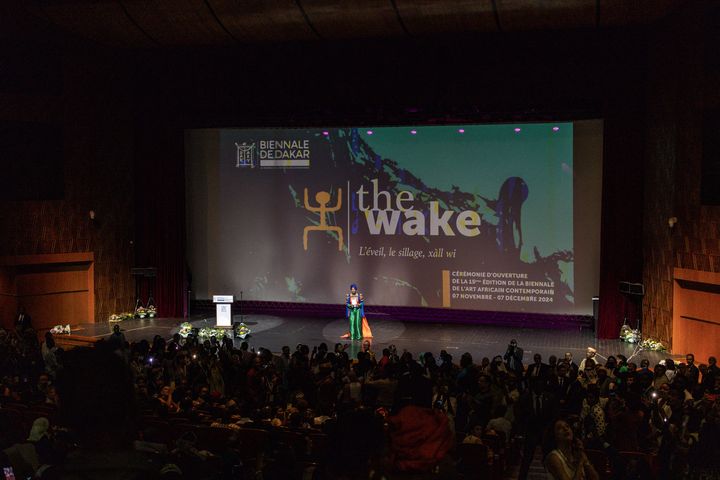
637, 289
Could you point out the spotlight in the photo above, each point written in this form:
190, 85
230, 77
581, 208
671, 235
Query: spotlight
369, 132
517, 129
326, 133
461, 130
555, 129
413, 132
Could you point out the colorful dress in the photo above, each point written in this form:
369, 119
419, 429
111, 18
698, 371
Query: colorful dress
355, 313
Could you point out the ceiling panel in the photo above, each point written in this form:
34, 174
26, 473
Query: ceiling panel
263, 20
178, 22
143, 23
340, 19
615, 13
103, 22
427, 17
518, 15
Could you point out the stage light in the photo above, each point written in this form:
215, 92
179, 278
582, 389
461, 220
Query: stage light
461, 130
517, 129
555, 129
413, 132
369, 132
326, 133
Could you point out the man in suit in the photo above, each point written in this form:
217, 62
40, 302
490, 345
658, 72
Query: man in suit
513, 359
23, 320
537, 369
534, 411
692, 374
573, 367
559, 384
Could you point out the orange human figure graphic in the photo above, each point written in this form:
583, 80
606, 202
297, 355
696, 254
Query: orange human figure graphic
322, 198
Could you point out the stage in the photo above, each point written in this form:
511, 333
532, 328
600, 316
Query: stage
273, 332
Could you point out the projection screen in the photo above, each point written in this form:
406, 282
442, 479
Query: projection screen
487, 217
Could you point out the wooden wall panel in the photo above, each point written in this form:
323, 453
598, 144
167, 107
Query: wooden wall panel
696, 313
675, 104
54, 279
8, 299
53, 288
54, 309
98, 156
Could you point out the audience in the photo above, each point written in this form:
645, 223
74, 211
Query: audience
186, 408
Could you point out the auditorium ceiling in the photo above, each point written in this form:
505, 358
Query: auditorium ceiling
182, 23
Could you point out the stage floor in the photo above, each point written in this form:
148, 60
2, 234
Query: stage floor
274, 332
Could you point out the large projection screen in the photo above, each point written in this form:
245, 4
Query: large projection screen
502, 217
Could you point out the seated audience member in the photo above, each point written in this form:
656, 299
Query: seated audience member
97, 403
565, 457
499, 423
474, 435
27, 457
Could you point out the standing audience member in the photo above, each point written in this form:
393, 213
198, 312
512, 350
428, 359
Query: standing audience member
513, 359
23, 321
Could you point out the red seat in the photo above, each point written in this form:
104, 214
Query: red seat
641, 461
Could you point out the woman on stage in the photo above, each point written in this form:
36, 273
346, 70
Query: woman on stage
355, 313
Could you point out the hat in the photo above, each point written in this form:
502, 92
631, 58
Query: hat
39, 429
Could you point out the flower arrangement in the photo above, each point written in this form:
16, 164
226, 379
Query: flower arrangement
652, 345
151, 311
60, 330
119, 317
141, 312
629, 335
208, 332
185, 329
241, 330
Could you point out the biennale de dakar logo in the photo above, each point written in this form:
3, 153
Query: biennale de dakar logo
273, 154
387, 216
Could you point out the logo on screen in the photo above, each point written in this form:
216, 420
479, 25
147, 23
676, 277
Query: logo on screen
322, 199
245, 155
